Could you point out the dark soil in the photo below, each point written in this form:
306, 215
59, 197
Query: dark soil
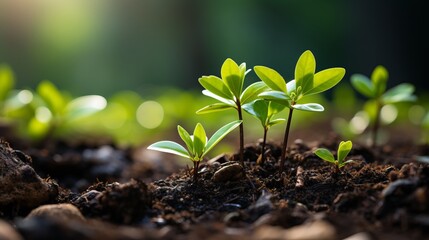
383, 194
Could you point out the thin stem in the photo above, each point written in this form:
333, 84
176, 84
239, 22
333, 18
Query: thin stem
263, 146
376, 125
240, 117
196, 165
286, 137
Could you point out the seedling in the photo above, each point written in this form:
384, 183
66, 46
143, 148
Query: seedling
55, 111
197, 144
375, 90
7, 82
264, 111
343, 150
229, 91
306, 82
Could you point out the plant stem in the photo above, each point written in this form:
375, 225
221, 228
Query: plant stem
376, 125
263, 146
240, 117
196, 165
286, 137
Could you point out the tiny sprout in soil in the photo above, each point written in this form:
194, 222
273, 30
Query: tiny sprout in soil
306, 82
264, 111
197, 144
229, 91
375, 91
343, 150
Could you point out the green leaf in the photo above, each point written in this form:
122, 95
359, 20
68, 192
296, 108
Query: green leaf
271, 77
343, 150
216, 86
258, 109
85, 106
340, 165
274, 108
216, 107
325, 154
186, 137
276, 96
200, 139
252, 91
276, 121
379, 78
52, 97
170, 147
310, 107
363, 85
217, 97
401, 93
219, 135
304, 71
232, 76
291, 87
7, 81
326, 79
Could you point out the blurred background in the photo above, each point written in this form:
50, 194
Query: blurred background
101, 47
145, 56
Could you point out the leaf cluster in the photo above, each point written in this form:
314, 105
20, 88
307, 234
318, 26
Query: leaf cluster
343, 150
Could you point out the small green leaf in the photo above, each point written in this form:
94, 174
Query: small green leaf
219, 98
274, 108
216, 86
271, 77
379, 78
401, 93
252, 91
216, 107
232, 76
363, 85
343, 150
219, 135
310, 107
326, 79
258, 109
186, 137
200, 140
7, 81
340, 165
85, 106
52, 97
325, 154
276, 96
304, 71
170, 147
276, 121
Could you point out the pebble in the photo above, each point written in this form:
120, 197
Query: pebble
63, 211
319, 230
7, 232
359, 236
228, 173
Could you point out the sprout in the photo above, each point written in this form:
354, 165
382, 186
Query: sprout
228, 90
306, 82
343, 150
375, 90
197, 145
264, 111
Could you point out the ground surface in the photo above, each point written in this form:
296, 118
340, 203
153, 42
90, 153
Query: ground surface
113, 194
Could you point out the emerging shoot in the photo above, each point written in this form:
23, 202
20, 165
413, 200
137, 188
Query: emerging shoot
197, 145
375, 90
343, 150
228, 90
306, 82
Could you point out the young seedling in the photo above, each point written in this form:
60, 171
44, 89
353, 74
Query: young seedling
228, 90
197, 144
343, 150
375, 90
54, 111
306, 82
264, 111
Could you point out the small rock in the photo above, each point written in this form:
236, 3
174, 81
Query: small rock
228, 173
314, 230
269, 233
64, 211
359, 236
7, 232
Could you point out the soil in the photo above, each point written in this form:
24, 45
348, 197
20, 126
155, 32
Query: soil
98, 191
